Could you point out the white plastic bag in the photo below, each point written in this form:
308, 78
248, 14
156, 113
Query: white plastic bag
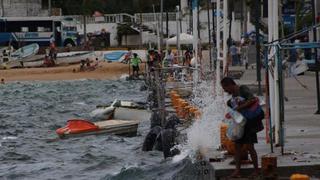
236, 125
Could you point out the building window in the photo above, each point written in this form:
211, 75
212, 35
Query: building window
44, 4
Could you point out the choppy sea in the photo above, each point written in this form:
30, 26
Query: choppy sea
30, 112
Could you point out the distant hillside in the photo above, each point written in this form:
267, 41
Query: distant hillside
76, 7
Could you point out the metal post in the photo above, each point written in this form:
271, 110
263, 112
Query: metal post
267, 95
281, 100
218, 13
257, 27
85, 28
316, 56
180, 19
140, 31
195, 35
161, 24
160, 97
209, 35
53, 25
49, 8
225, 36
178, 31
213, 29
2, 8
276, 104
157, 26
167, 24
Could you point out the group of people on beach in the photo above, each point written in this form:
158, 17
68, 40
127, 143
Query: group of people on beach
51, 54
85, 65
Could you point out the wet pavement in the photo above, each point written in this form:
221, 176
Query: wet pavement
302, 142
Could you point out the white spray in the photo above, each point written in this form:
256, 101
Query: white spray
205, 132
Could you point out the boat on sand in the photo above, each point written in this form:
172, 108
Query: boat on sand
65, 58
25, 52
115, 56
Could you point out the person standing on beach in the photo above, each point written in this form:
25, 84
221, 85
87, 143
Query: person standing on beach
135, 62
242, 99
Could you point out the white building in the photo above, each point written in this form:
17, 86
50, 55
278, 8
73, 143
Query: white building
150, 20
22, 8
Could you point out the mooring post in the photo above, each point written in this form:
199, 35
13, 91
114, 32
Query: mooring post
160, 96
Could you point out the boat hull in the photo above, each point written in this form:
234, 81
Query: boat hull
116, 127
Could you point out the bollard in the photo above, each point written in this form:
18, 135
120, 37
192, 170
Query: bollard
269, 165
176, 100
192, 112
223, 135
197, 115
186, 112
181, 108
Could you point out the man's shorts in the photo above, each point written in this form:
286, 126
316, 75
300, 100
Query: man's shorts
135, 68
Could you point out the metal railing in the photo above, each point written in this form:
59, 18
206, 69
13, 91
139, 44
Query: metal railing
150, 17
107, 18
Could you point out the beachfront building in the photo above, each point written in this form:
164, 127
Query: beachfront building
145, 25
23, 8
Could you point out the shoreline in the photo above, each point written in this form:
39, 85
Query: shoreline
104, 71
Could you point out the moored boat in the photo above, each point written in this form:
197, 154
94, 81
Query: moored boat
80, 127
124, 121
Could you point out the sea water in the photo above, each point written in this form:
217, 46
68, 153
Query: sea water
30, 112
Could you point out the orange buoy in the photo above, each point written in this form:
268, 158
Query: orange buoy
299, 177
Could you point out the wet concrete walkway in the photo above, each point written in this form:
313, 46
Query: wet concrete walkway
302, 130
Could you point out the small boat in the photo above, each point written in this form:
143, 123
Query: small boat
124, 121
117, 56
74, 57
103, 113
76, 127
62, 59
124, 104
25, 52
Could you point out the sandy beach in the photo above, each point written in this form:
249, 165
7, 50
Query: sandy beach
105, 70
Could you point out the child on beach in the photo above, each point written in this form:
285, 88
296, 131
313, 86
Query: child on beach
135, 62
